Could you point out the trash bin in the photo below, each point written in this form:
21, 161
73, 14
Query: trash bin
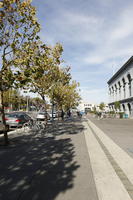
125, 116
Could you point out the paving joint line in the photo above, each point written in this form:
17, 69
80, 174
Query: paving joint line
124, 179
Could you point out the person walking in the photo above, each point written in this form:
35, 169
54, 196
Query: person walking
62, 115
69, 113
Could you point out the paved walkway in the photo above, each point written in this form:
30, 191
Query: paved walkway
111, 165
52, 166
75, 159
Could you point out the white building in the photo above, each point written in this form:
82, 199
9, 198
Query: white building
121, 88
86, 106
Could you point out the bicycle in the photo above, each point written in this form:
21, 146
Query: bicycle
37, 126
27, 126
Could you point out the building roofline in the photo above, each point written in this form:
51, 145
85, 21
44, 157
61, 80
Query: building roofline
120, 70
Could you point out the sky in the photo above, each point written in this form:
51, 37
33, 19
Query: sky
97, 38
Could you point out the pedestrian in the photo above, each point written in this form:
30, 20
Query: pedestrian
62, 114
99, 115
69, 113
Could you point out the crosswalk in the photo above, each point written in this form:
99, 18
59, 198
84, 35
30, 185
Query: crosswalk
112, 167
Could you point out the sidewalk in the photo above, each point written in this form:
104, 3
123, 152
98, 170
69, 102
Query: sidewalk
52, 166
111, 165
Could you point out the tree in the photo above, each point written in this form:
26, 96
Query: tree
61, 78
18, 26
37, 102
46, 68
71, 96
102, 106
117, 105
66, 95
12, 99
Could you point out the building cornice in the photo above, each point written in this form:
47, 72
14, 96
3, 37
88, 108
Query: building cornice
120, 70
128, 100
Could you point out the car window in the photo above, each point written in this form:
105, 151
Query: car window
12, 115
15, 115
22, 116
27, 117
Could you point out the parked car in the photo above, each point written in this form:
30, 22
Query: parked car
16, 119
41, 116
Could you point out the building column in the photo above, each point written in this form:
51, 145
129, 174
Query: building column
119, 90
123, 92
126, 90
131, 87
109, 95
126, 109
114, 96
131, 110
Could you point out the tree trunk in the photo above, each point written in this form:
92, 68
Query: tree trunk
52, 111
45, 107
3, 120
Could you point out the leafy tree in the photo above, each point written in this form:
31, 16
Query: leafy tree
71, 96
12, 99
18, 26
37, 102
102, 106
61, 78
66, 95
117, 105
46, 67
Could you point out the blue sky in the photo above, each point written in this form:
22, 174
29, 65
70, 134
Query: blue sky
96, 36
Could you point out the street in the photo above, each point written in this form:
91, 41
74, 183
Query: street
120, 130
74, 159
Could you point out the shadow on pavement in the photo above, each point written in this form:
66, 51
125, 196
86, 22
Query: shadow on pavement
39, 167
70, 126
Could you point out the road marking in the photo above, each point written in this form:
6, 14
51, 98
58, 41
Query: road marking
109, 186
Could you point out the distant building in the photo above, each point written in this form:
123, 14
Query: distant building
121, 88
85, 106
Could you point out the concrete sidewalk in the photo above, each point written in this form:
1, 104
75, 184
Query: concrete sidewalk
52, 166
111, 165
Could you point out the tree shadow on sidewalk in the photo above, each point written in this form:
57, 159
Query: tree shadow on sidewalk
36, 167
72, 126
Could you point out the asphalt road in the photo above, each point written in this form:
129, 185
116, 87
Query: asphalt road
119, 130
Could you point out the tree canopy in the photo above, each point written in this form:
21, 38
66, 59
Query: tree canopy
28, 63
